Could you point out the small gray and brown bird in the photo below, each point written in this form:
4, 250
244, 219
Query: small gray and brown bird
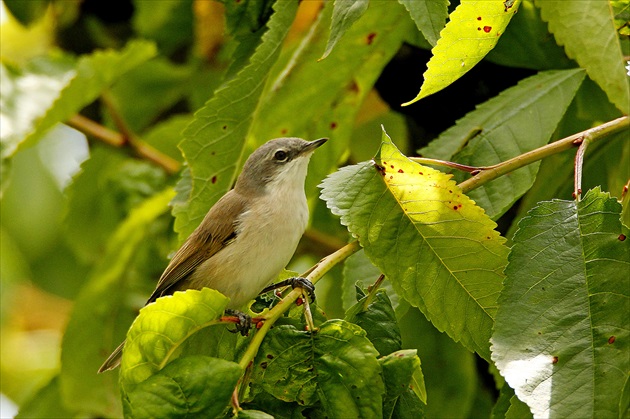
249, 235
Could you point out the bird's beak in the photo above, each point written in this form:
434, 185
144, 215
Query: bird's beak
312, 145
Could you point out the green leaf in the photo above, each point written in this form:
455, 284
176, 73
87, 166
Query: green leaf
522, 118
561, 336
330, 107
168, 23
429, 16
336, 365
150, 89
27, 12
162, 327
99, 306
107, 188
440, 251
374, 314
585, 28
449, 370
221, 127
253, 414
246, 17
45, 403
194, 386
518, 410
401, 370
345, 14
527, 43
91, 75
472, 31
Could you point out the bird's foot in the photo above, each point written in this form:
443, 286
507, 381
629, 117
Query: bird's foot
295, 282
243, 321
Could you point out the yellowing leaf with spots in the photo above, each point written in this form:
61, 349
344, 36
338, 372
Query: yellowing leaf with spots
438, 248
474, 28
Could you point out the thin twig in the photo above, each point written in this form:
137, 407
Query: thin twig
579, 162
116, 139
436, 162
493, 172
314, 274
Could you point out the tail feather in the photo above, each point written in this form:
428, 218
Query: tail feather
113, 360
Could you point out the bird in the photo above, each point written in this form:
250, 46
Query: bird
249, 235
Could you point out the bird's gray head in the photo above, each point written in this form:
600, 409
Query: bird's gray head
283, 160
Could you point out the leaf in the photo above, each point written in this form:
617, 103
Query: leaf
345, 13
527, 43
374, 314
522, 118
472, 31
45, 403
449, 370
98, 306
27, 12
330, 107
221, 127
561, 336
194, 386
162, 327
429, 16
401, 370
439, 250
336, 365
99, 197
585, 29
168, 23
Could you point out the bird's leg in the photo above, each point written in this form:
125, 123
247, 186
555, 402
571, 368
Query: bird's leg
243, 321
295, 282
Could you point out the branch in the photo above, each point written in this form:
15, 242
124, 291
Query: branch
314, 274
116, 139
486, 174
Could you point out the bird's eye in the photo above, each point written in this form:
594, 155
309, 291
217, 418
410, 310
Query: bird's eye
280, 155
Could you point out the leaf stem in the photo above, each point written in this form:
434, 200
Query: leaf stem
436, 162
486, 174
579, 162
116, 139
314, 274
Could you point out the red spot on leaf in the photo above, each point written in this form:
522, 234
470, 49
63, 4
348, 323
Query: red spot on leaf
554, 360
391, 165
400, 171
380, 169
370, 38
455, 207
333, 125
487, 29
478, 28
213, 180
263, 365
391, 177
284, 131
622, 237
224, 127
611, 340
420, 173
449, 191
478, 17
269, 356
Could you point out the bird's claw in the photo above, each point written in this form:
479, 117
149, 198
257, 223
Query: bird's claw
305, 284
243, 321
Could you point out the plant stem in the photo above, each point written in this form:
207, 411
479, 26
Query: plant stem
487, 174
579, 162
116, 139
314, 275
435, 162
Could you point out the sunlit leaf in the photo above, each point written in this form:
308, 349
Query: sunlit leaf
161, 329
566, 352
429, 16
585, 29
520, 119
337, 366
345, 13
214, 141
194, 386
472, 31
99, 306
437, 247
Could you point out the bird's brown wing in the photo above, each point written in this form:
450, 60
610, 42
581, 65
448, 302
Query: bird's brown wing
215, 232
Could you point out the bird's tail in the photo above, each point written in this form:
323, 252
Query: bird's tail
113, 360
